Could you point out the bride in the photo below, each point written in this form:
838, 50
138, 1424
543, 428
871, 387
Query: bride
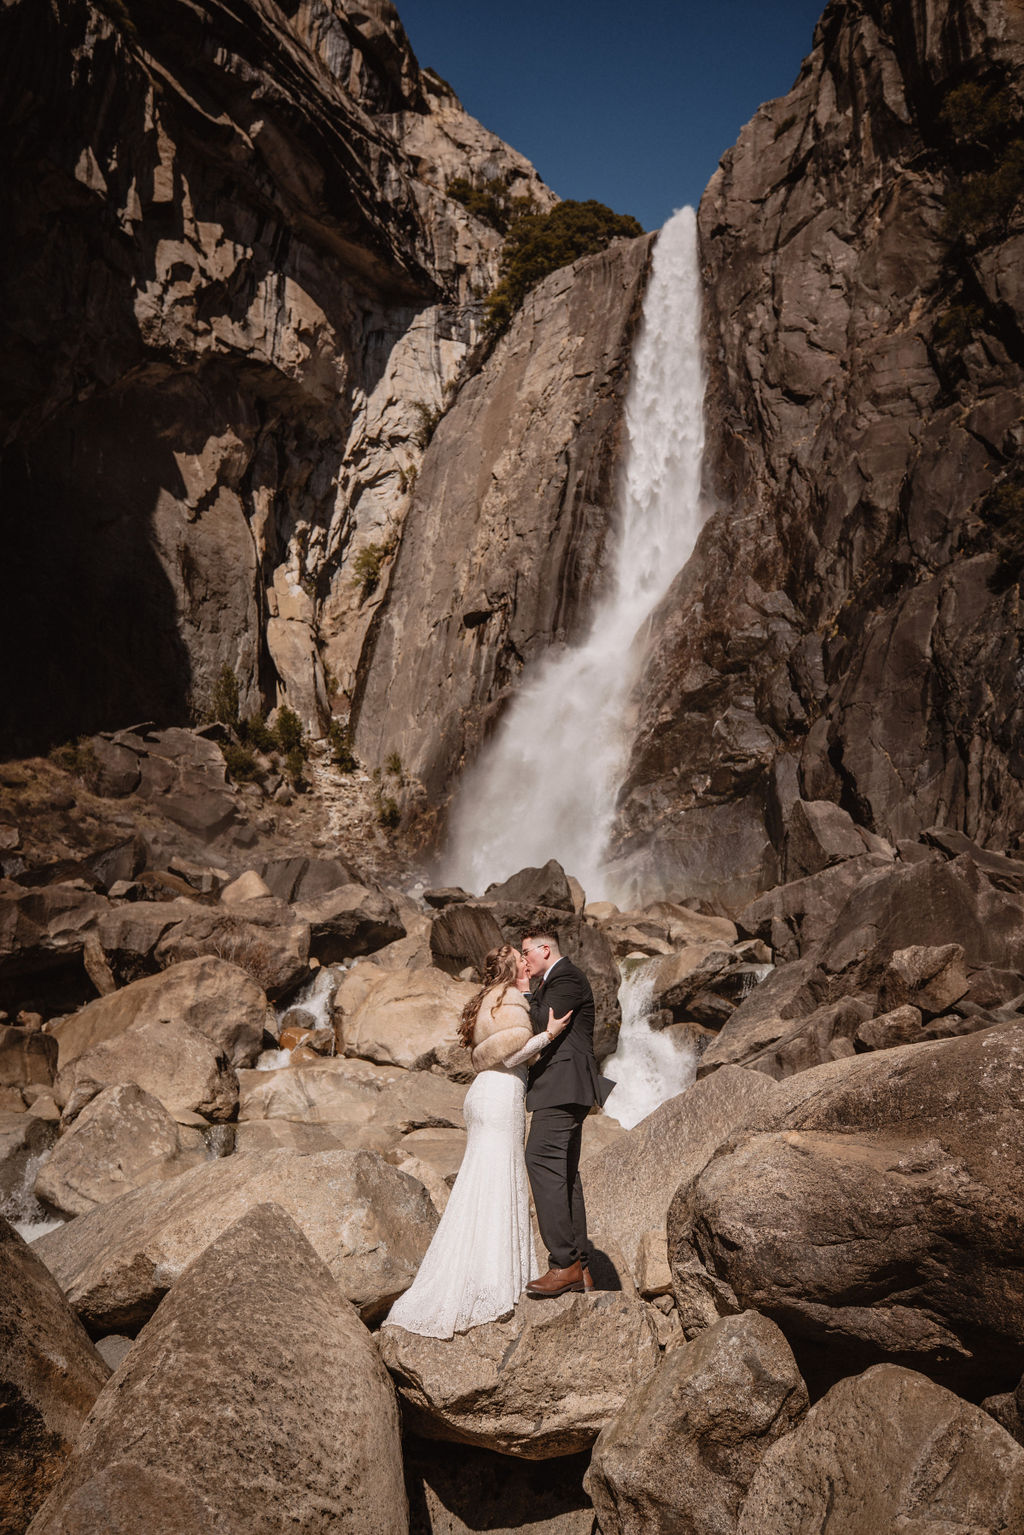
481, 1256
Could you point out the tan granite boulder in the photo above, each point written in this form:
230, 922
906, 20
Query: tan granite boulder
411, 1018
369, 1222
121, 1140
237, 1413
50, 1375
889, 1450
540, 1384
172, 1061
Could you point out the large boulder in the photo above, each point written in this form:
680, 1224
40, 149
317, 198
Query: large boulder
26, 1059
121, 1140
50, 1375
340, 1092
462, 935
219, 999
547, 886
629, 1186
348, 921
541, 1384
683, 1448
411, 1018
369, 1222
295, 1425
179, 1066
879, 1218
262, 937
889, 1450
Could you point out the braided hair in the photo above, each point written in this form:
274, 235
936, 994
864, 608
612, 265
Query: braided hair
500, 968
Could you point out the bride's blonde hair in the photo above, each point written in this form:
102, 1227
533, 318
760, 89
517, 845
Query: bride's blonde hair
500, 968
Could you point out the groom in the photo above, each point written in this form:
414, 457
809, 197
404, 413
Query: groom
562, 1086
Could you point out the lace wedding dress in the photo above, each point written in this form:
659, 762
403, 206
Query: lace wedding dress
481, 1256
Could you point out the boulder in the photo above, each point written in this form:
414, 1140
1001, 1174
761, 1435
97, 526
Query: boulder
593, 952
926, 977
341, 1092
26, 1057
902, 1026
629, 1186
462, 935
547, 886
262, 937
219, 999
888, 1450
462, 1490
286, 1135
411, 1018
682, 1450
878, 1219
348, 921
370, 1223
116, 772
171, 1060
296, 1419
819, 833
792, 918
543, 1383
247, 887
121, 1140
50, 1375
304, 879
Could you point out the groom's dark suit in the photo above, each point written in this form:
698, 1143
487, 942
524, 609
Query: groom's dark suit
562, 1086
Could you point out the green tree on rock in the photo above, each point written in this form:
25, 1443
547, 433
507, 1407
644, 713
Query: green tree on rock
540, 243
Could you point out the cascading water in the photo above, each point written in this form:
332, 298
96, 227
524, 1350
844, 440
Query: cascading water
546, 786
647, 1066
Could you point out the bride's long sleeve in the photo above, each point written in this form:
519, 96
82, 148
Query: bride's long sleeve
526, 1053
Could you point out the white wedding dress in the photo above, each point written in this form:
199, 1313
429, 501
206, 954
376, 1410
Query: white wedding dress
481, 1256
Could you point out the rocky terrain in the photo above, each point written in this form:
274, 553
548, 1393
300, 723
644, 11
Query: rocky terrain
251, 431
850, 623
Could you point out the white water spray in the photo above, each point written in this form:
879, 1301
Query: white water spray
546, 786
648, 1067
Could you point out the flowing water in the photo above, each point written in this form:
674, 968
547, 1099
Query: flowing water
546, 786
648, 1067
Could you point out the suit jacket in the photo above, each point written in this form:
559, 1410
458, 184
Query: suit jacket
567, 1072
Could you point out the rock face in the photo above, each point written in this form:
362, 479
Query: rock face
878, 1219
370, 1224
851, 617
296, 1424
255, 354
683, 1449
525, 459
541, 1384
50, 1375
888, 1450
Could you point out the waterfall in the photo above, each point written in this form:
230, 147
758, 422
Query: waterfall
546, 786
647, 1067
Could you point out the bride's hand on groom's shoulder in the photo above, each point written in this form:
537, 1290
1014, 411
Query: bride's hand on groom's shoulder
556, 1025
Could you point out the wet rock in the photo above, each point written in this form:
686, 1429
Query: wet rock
411, 1018
219, 999
629, 1186
121, 1140
349, 920
297, 1418
24, 1139
873, 1222
541, 1384
682, 1450
888, 1450
50, 1375
370, 1224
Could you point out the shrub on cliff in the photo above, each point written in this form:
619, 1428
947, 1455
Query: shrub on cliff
540, 243
985, 125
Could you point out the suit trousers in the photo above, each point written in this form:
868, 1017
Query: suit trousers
552, 1161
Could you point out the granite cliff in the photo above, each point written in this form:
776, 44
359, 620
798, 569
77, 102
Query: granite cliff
850, 627
236, 297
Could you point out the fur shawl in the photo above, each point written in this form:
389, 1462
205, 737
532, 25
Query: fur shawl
503, 1031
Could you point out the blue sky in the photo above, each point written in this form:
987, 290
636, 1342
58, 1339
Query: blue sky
633, 104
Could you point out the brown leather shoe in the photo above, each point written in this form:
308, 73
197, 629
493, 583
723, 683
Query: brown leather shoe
588, 1279
557, 1282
